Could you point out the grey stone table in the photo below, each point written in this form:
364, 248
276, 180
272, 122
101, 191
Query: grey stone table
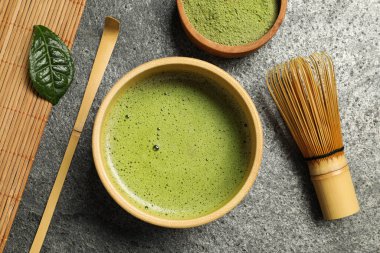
281, 212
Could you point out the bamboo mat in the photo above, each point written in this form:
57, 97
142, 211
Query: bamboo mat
23, 114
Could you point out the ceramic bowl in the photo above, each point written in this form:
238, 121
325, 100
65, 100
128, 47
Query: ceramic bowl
229, 51
221, 78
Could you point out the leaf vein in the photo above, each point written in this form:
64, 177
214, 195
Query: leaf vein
47, 54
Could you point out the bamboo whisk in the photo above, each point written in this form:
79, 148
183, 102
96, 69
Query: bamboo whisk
304, 90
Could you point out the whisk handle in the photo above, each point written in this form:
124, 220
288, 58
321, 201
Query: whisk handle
335, 190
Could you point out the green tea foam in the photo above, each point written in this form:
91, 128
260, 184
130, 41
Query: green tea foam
175, 145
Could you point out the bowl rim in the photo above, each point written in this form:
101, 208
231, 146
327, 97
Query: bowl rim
225, 50
173, 223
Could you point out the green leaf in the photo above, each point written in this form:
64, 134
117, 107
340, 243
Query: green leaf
51, 67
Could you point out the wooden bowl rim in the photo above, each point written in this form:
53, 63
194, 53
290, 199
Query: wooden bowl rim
225, 50
256, 157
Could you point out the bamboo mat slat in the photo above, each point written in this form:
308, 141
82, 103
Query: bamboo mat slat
23, 114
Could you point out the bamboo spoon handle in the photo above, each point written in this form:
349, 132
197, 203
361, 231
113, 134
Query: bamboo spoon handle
106, 46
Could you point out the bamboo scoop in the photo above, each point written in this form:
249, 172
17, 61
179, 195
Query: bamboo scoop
107, 44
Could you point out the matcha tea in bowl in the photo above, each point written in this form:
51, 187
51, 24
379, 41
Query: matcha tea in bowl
177, 142
231, 28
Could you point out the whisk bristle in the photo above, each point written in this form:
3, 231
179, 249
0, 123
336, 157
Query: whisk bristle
304, 90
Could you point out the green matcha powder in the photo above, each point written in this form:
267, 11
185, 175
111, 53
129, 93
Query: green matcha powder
232, 22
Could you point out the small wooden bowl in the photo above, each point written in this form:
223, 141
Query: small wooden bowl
221, 78
223, 50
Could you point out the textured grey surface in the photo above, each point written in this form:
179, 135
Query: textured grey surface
281, 212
